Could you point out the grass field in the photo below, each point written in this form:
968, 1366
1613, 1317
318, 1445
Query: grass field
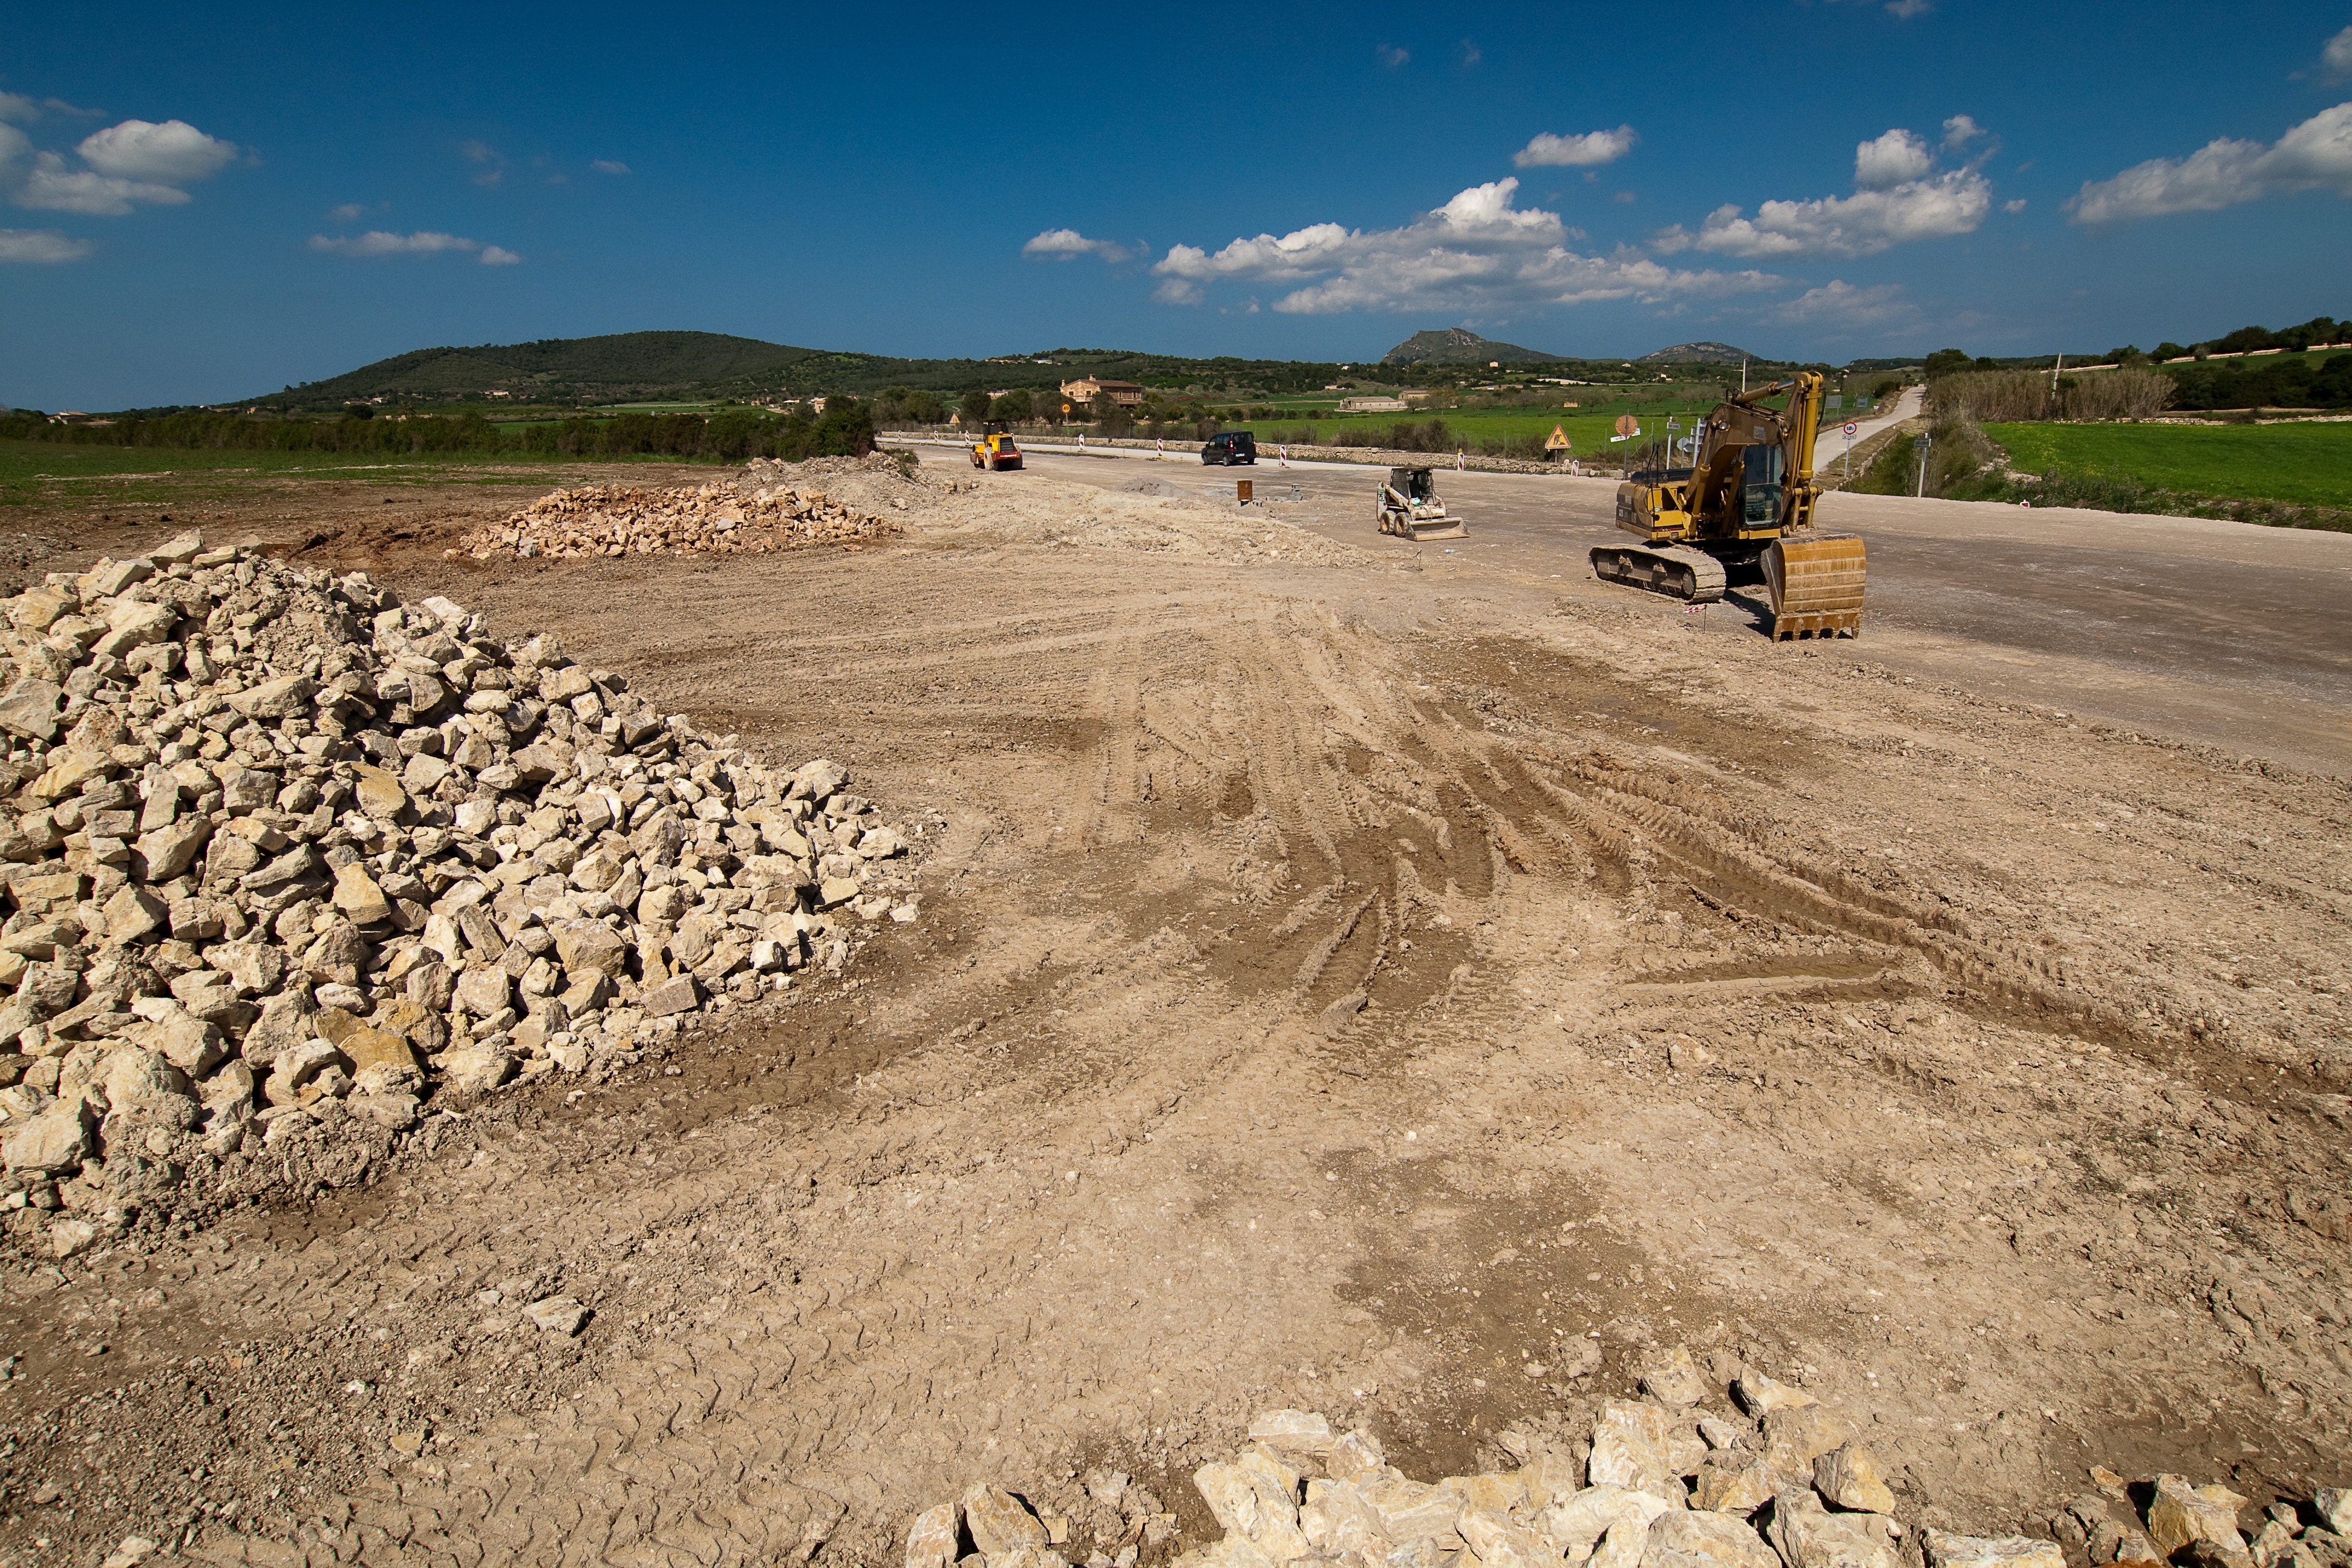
2305, 463
139, 475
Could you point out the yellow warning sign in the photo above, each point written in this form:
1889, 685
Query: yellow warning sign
1558, 441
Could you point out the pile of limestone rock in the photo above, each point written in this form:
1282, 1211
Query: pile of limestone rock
1769, 1479
283, 859
725, 517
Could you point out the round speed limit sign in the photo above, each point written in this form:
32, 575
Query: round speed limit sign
1852, 427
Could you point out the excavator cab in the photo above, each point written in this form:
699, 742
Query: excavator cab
1760, 471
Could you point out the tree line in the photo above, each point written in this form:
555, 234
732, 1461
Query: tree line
845, 429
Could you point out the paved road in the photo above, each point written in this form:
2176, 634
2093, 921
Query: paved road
2218, 631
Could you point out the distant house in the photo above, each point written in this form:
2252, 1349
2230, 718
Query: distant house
1372, 405
1126, 393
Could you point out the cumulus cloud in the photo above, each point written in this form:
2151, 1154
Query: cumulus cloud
2336, 57
52, 185
1477, 250
40, 247
1548, 150
1960, 130
2314, 155
1062, 244
123, 166
423, 242
1840, 302
1897, 198
172, 154
609, 167
347, 212
1891, 160
498, 256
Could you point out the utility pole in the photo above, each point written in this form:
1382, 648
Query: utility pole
1921, 446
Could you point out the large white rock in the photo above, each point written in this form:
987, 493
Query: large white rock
1630, 1448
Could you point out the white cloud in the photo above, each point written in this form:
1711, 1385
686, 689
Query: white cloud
51, 186
124, 165
1906, 9
609, 167
498, 256
488, 159
347, 212
1064, 243
1839, 301
376, 242
23, 106
1898, 199
1891, 160
1960, 130
1477, 250
40, 245
2336, 59
1548, 150
2314, 155
172, 154
2016, 206
1392, 57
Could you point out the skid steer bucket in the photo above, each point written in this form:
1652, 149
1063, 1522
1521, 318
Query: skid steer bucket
1816, 586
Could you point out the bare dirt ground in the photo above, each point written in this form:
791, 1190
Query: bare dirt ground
1341, 984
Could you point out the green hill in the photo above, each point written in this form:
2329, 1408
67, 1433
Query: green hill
1459, 345
1699, 354
694, 366
593, 370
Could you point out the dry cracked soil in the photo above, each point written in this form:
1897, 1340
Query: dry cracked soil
1401, 992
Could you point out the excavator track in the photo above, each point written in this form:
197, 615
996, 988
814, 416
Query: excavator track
1816, 586
1691, 576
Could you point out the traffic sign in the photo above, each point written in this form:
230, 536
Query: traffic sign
1628, 425
1850, 428
1558, 440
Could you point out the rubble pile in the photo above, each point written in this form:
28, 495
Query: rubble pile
726, 517
284, 858
1769, 1477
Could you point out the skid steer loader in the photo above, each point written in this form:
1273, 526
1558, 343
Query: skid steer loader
1409, 507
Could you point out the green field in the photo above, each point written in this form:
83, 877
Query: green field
2305, 463
139, 475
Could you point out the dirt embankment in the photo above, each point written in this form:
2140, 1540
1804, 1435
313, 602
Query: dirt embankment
1331, 993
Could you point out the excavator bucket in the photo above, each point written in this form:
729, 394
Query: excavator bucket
1439, 527
1816, 586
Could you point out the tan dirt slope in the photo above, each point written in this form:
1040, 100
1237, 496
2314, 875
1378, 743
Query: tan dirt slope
1334, 989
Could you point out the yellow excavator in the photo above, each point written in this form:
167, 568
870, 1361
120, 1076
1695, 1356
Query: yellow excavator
1745, 503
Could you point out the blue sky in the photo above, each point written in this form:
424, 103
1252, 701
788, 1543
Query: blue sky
197, 205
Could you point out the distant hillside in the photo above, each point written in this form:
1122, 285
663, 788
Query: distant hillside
624, 365
691, 366
1458, 345
1699, 354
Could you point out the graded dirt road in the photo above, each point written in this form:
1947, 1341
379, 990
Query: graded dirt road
1345, 980
2235, 635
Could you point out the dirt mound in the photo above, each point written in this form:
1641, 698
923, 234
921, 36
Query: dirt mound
287, 860
879, 484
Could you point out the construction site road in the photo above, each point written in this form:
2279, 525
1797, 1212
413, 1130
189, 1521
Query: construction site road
2231, 633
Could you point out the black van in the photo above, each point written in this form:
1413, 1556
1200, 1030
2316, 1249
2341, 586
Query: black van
1232, 446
